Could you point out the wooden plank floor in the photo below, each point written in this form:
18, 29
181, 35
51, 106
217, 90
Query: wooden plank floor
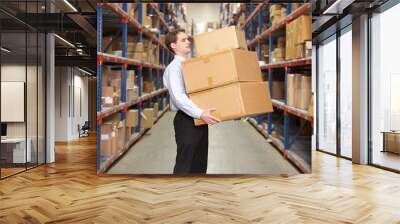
70, 191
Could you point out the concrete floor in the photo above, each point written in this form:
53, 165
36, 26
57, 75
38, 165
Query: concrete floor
235, 147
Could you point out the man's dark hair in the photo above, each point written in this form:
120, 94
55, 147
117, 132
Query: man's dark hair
172, 37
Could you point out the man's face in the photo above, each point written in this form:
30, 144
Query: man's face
182, 45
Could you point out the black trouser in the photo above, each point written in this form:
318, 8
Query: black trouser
192, 145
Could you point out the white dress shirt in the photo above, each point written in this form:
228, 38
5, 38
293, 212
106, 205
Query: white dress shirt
173, 81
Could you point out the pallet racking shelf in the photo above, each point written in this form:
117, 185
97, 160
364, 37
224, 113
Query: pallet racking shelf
104, 167
257, 37
122, 62
306, 8
287, 64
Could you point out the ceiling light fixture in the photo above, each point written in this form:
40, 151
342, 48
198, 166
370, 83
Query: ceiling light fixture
5, 50
64, 40
70, 5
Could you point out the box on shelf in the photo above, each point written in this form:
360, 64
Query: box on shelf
121, 135
130, 79
148, 87
131, 94
221, 68
128, 133
303, 29
299, 91
234, 100
107, 91
221, 39
304, 93
304, 50
147, 118
155, 109
278, 90
105, 140
113, 137
278, 54
131, 118
311, 107
291, 85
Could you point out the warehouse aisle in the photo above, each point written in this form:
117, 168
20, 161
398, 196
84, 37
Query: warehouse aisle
235, 148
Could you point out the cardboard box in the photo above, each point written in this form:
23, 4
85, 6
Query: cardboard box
304, 96
113, 137
221, 68
128, 133
291, 83
131, 94
131, 118
107, 91
147, 118
148, 87
303, 29
311, 107
221, 39
105, 140
155, 108
121, 135
278, 89
235, 100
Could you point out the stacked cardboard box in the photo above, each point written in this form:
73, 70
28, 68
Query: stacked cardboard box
147, 118
278, 54
110, 95
222, 39
311, 107
299, 91
131, 89
155, 109
148, 86
277, 13
226, 76
298, 32
278, 90
112, 136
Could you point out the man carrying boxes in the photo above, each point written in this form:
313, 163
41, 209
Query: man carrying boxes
191, 140
224, 76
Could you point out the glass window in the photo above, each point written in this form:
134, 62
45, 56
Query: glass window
346, 92
22, 89
327, 96
385, 89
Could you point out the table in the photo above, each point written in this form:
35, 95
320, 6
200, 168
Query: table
13, 150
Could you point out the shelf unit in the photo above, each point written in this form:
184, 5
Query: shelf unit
257, 37
105, 59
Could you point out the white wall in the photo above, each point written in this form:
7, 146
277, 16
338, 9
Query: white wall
201, 13
69, 82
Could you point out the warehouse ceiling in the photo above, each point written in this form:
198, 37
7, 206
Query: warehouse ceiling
327, 13
74, 22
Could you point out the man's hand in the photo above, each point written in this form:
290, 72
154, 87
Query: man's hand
208, 118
